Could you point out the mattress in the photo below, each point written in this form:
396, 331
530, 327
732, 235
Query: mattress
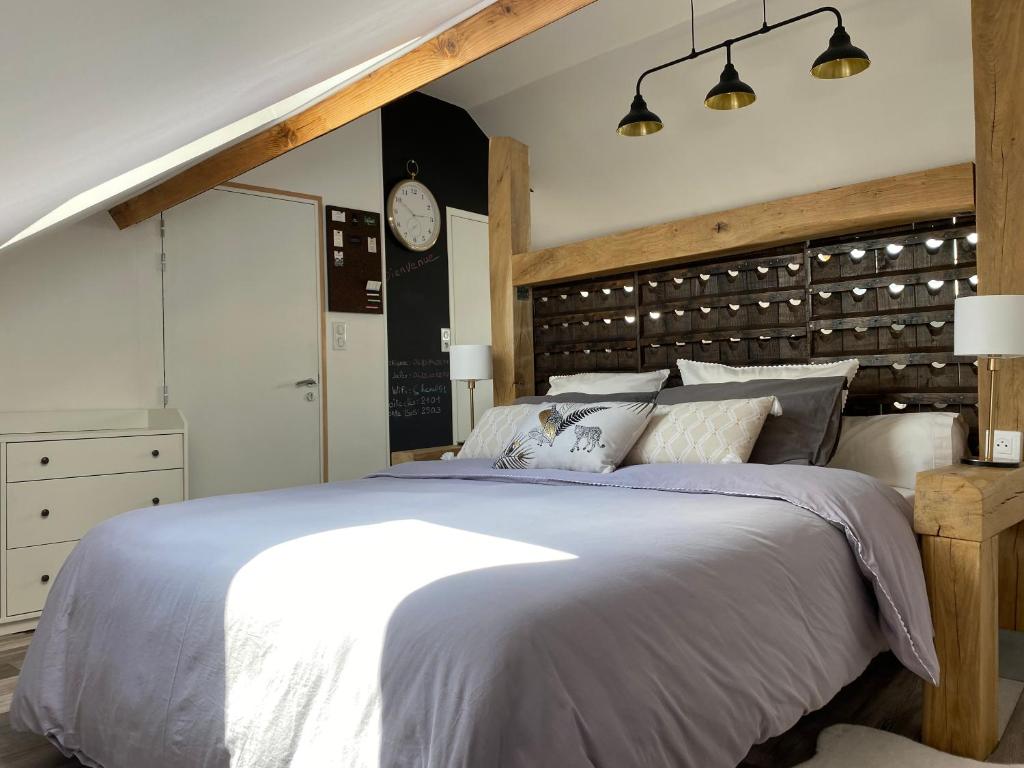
446, 614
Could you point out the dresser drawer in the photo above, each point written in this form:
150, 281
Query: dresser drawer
47, 511
30, 572
92, 456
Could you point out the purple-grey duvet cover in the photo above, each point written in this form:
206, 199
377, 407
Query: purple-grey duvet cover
447, 615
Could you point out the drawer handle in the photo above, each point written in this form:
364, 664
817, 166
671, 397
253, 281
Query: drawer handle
156, 500
45, 460
45, 513
155, 453
46, 578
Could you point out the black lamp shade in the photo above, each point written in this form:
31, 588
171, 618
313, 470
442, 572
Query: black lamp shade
841, 59
640, 121
731, 92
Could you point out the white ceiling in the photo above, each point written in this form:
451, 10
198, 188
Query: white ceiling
591, 32
92, 90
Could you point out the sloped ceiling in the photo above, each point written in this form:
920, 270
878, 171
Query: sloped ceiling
91, 90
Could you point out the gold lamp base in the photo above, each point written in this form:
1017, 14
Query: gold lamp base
987, 459
978, 462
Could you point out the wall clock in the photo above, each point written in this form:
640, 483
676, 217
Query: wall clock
413, 214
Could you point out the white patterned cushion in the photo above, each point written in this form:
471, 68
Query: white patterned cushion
585, 437
608, 383
492, 433
719, 432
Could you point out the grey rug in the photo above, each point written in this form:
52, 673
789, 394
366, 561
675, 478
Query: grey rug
854, 746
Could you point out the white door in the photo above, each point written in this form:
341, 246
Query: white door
242, 325
469, 296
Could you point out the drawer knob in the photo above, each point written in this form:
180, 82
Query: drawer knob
45, 513
45, 578
156, 500
45, 460
155, 453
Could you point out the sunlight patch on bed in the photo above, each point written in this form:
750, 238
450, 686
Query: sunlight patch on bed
305, 624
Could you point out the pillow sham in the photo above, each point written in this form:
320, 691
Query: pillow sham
895, 447
608, 383
496, 427
580, 397
693, 372
710, 432
808, 430
583, 437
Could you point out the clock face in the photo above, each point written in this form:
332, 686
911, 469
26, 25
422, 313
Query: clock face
414, 216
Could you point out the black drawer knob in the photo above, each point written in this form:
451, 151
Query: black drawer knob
45, 460
46, 578
155, 453
45, 513
156, 500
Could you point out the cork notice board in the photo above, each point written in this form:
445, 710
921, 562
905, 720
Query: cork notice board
353, 245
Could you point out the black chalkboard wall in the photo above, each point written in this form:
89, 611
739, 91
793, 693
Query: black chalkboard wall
451, 152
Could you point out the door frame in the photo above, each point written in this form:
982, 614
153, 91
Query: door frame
449, 214
321, 279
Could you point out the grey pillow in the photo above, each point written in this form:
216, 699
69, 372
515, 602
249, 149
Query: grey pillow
579, 397
807, 432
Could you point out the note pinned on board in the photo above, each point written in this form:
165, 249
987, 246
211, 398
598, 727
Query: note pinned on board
371, 244
339, 239
337, 215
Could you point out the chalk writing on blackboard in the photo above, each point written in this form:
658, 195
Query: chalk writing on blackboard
419, 387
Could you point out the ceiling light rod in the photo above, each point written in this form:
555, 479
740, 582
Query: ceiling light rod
765, 28
841, 59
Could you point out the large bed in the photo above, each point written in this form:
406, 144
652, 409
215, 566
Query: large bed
448, 614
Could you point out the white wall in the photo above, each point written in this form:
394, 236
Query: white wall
913, 109
344, 167
80, 323
80, 319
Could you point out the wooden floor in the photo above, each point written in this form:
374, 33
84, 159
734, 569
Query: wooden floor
886, 696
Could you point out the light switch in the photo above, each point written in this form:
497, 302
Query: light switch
340, 335
446, 339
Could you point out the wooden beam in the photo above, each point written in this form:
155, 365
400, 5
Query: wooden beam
870, 205
494, 27
998, 38
961, 713
968, 503
508, 198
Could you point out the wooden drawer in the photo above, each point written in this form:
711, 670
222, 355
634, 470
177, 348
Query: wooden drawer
47, 511
30, 572
47, 459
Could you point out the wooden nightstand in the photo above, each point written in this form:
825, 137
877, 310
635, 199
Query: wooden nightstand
960, 512
422, 454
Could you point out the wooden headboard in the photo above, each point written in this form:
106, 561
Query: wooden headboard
884, 296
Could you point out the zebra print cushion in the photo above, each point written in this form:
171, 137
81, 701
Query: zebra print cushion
585, 437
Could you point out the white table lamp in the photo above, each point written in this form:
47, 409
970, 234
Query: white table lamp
471, 363
991, 327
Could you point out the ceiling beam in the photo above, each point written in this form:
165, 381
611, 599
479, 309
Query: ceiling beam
494, 27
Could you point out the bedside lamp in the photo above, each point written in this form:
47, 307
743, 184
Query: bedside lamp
471, 363
991, 327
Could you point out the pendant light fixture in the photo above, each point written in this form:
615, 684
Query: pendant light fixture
841, 59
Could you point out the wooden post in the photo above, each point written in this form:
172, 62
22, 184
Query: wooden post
998, 38
508, 193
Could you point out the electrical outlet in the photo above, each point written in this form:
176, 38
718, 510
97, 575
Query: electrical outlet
1006, 446
340, 335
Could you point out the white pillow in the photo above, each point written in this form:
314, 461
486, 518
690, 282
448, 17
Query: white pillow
496, 427
895, 447
718, 432
694, 372
608, 383
585, 437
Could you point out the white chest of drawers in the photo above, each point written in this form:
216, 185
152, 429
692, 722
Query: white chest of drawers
61, 473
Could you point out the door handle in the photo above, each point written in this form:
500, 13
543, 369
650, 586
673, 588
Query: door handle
306, 383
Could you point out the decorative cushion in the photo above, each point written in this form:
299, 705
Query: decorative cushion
496, 427
585, 437
807, 432
608, 383
694, 372
716, 432
896, 446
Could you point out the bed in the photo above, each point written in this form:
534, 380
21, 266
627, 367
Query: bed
448, 614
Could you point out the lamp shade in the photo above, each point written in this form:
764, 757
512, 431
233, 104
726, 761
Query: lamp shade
470, 362
989, 326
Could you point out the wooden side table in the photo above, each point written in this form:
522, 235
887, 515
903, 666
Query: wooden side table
960, 512
422, 454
